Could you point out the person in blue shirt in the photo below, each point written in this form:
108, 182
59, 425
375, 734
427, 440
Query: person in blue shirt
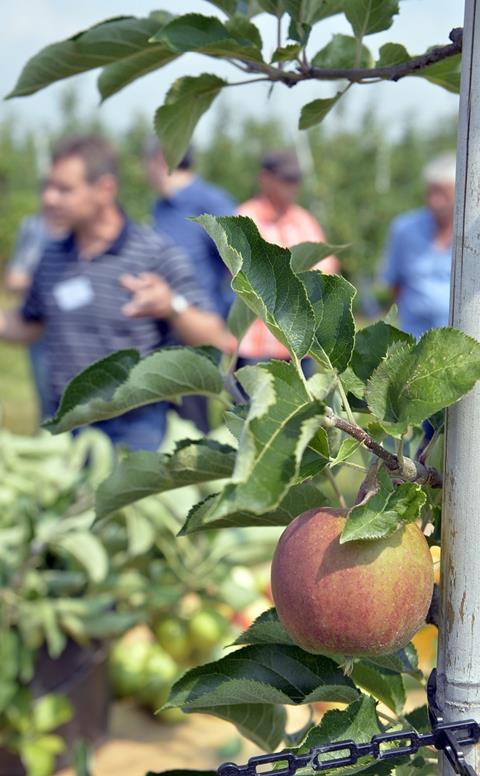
419, 253
109, 285
182, 194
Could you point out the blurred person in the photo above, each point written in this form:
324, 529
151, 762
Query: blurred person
183, 193
281, 221
110, 284
419, 252
34, 232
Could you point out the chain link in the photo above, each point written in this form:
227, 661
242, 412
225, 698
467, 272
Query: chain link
448, 737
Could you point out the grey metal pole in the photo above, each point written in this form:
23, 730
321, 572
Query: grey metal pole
459, 643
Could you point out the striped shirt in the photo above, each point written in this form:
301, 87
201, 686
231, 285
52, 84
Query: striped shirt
80, 301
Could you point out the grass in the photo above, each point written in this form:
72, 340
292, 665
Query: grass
18, 406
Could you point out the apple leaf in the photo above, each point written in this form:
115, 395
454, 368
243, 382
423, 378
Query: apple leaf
300, 498
140, 474
392, 54
384, 513
264, 280
124, 380
445, 73
416, 381
307, 254
186, 102
418, 718
267, 629
358, 722
369, 16
286, 53
331, 298
348, 448
312, 11
237, 38
281, 422
87, 550
240, 318
404, 661
278, 674
316, 456
387, 686
124, 39
371, 346
314, 112
116, 76
343, 52
262, 723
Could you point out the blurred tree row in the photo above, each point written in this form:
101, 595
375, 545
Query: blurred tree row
357, 179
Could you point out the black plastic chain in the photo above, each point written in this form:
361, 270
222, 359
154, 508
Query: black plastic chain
448, 737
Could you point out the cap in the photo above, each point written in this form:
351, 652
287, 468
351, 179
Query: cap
284, 164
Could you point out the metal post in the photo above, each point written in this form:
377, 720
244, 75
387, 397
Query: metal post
459, 644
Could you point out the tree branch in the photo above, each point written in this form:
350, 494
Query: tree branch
407, 469
361, 75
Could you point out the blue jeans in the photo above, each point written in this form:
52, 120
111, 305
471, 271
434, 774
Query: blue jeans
38, 354
140, 429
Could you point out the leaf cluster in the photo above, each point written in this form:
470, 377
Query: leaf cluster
127, 47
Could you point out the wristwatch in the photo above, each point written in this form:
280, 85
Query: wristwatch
179, 304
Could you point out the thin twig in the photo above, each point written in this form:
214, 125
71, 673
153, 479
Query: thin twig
408, 470
359, 75
247, 81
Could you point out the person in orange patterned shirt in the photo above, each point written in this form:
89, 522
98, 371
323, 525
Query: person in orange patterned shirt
279, 220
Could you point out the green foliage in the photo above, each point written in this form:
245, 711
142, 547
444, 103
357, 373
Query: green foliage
384, 513
276, 674
267, 629
125, 40
141, 474
416, 380
124, 380
185, 103
263, 279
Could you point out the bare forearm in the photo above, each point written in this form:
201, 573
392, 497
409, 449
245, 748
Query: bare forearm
17, 281
14, 328
195, 327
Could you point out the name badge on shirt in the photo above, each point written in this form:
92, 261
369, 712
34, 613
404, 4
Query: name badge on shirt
73, 293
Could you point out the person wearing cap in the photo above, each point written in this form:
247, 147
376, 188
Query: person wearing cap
418, 257
281, 221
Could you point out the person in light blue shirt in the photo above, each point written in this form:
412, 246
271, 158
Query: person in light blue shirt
419, 253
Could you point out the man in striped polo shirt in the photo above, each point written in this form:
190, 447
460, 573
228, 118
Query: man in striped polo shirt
111, 284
